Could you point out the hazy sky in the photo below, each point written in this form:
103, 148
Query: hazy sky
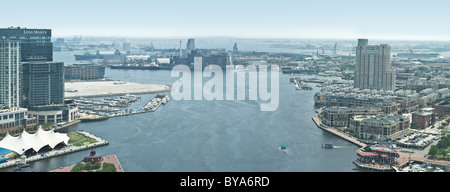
350, 19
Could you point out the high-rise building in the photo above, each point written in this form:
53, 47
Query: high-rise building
373, 66
235, 48
10, 73
43, 83
35, 44
39, 80
190, 45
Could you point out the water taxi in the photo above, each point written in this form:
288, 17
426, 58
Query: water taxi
327, 145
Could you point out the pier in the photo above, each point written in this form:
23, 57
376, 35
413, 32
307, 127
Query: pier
299, 85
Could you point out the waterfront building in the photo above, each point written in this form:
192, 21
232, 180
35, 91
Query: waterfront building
10, 73
55, 113
163, 63
377, 157
35, 44
82, 71
389, 101
423, 119
43, 83
13, 118
93, 157
373, 66
380, 127
340, 116
387, 106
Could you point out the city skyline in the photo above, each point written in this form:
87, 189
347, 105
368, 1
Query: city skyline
401, 20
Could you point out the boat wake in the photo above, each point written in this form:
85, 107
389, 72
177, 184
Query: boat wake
341, 147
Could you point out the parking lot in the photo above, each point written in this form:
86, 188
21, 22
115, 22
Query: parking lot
417, 139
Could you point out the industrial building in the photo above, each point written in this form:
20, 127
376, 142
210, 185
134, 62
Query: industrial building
84, 71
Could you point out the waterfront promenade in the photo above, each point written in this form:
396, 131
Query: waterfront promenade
334, 131
401, 161
65, 150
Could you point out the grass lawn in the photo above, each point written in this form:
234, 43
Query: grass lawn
78, 139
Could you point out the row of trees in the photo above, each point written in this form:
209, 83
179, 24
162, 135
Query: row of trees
441, 148
31, 129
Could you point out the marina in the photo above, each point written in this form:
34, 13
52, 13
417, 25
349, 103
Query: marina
299, 85
94, 110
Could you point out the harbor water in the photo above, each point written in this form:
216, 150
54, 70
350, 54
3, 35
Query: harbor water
214, 135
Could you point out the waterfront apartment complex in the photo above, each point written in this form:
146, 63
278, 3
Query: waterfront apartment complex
380, 127
340, 116
373, 67
10, 73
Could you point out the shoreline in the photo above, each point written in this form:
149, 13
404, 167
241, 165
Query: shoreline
344, 136
402, 160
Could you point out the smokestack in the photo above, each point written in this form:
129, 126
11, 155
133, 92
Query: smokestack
181, 54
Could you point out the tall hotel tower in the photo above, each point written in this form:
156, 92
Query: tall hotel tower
373, 66
28, 75
10, 73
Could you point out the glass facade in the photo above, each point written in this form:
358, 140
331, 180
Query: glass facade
43, 83
35, 44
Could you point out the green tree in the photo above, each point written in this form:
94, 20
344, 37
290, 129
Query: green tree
433, 151
107, 167
77, 168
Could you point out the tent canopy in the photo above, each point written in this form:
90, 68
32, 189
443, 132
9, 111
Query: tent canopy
35, 141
